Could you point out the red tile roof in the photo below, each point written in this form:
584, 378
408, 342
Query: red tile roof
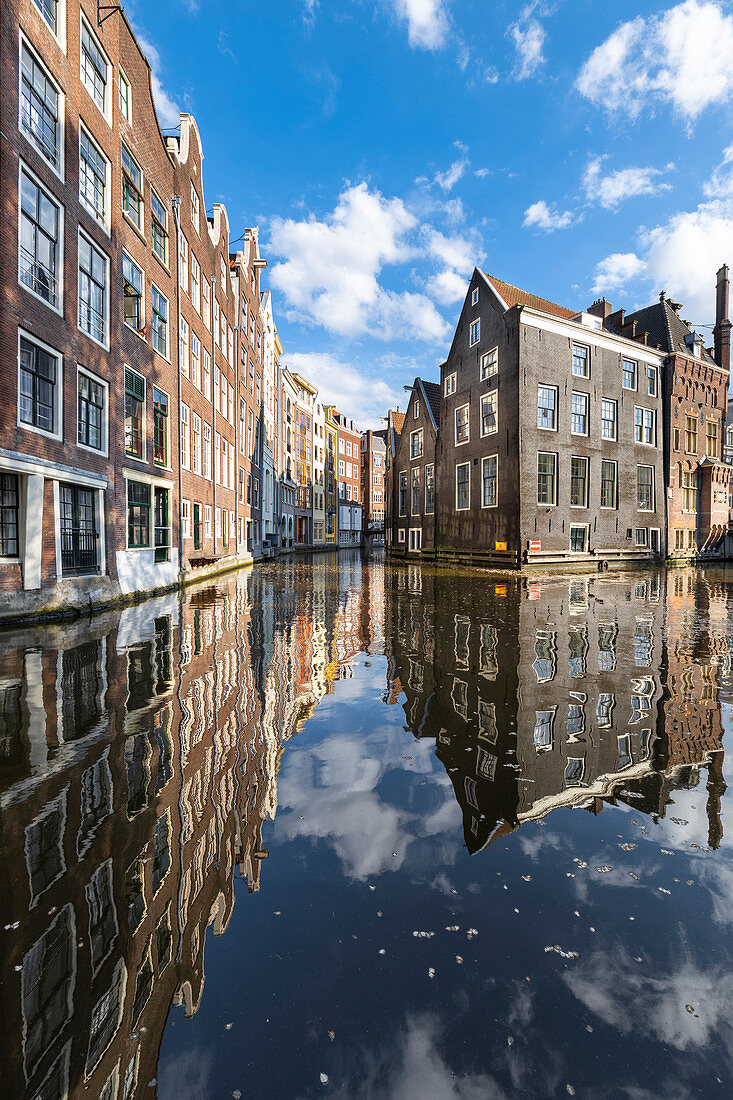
398, 420
513, 296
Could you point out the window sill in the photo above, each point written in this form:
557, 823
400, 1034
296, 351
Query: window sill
140, 233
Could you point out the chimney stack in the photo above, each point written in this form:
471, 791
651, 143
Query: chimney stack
600, 308
721, 332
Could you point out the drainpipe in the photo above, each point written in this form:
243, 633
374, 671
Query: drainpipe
213, 410
177, 219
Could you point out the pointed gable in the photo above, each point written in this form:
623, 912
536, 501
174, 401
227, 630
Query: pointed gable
513, 296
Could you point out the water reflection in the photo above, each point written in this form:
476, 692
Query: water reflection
142, 752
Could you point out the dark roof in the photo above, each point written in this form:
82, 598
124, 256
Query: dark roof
432, 396
665, 327
513, 296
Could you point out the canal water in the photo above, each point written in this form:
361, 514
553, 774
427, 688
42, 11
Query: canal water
347, 829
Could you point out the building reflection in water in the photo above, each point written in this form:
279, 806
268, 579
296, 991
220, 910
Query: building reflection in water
141, 750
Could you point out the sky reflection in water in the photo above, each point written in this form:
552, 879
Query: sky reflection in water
337, 749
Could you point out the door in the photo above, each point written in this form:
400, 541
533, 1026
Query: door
197, 526
78, 531
654, 540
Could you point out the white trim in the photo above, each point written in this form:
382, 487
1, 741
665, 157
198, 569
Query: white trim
487, 458
105, 223
142, 457
578, 526
448, 378
23, 40
20, 464
121, 73
59, 35
131, 328
104, 450
607, 340
488, 397
108, 276
58, 396
456, 411
468, 506
60, 286
106, 113
149, 479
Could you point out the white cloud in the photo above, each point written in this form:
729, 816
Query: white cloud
528, 36
457, 257
625, 183
169, 113
330, 271
353, 392
720, 184
616, 271
482, 173
427, 22
447, 287
448, 179
310, 7
682, 57
545, 217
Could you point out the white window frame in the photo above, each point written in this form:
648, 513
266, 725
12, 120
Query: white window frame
493, 395
59, 307
460, 465
460, 408
576, 344
60, 33
104, 221
646, 466
415, 537
417, 434
635, 387
184, 429
489, 366
157, 351
401, 534
122, 78
555, 390
586, 460
450, 384
101, 343
644, 414
185, 519
106, 111
57, 169
577, 527
644, 543
58, 395
614, 437
138, 332
475, 329
609, 507
104, 449
490, 458
195, 209
553, 503
474, 296
586, 397
652, 372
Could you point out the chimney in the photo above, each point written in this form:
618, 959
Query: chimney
721, 332
601, 308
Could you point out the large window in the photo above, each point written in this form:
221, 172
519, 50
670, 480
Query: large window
475, 332
93, 277
546, 478
160, 322
645, 426
186, 440
489, 363
134, 413
691, 435
711, 439
609, 483
132, 291
579, 538
489, 474
628, 374
689, 491
38, 396
93, 174
49, 9
94, 68
581, 358
547, 407
91, 412
450, 384
429, 490
463, 486
39, 108
403, 493
125, 100
9, 504
578, 482
416, 443
138, 514
132, 189
645, 488
415, 492
489, 414
461, 421
652, 381
159, 218
39, 256
579, 422
78, 530
161, 435
609, 418
162, 532
195, 284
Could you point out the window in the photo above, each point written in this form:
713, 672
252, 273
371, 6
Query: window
578, 539
132, 184
645, 488
689, 492
138, 515
159, 218
628, 374
489, 472
91, 403
463, 486
578, 482
94, 68
400, 535
609, 417
93, 176
546, 478
676, 438
429, 490
415, 409
450, 384
49, 11
416, 443
609, 482
186, 519
39, 254
92, 290
691, 435
475, 331
206, 303
652, 381
132, 289
160, 322
415, 496
711, 439
40, 108
183, 346
461, 419
195, 206
547, 407
195, 284
161, 435
78, 531
645, 426
489, 364
543, 730
642, 537
38, 388
679, 539
403, 493
183, 264
579, 420
162, 534
125, 96
134, 413
9, 511
474, 296
581, 356
489, 419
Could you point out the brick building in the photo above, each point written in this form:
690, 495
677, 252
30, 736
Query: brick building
330, 467
373, 482
413, 486
349, 481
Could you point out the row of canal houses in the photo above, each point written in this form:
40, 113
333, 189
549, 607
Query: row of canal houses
148, 429
558, 436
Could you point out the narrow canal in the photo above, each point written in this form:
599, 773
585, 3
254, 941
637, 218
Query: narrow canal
340, 828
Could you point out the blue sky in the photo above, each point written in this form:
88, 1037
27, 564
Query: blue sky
385, 147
